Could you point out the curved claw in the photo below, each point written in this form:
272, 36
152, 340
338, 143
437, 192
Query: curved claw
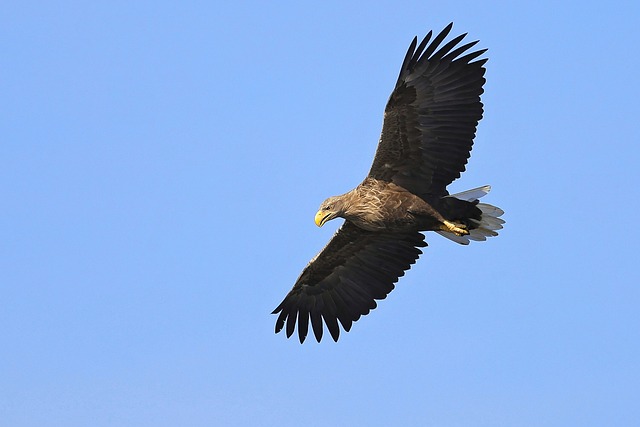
457, 229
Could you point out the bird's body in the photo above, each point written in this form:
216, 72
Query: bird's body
376, 205
429, 124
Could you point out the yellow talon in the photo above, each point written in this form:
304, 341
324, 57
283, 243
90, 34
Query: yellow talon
454, 228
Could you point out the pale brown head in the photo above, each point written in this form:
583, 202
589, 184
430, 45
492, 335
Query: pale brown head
331, 208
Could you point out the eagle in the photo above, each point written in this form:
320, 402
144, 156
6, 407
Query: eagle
430, 122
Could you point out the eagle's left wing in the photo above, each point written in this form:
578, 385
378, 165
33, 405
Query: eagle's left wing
343, 281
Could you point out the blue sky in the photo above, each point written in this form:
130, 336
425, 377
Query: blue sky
161, 164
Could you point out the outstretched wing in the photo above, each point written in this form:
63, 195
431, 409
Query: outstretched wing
343, 281
431, 117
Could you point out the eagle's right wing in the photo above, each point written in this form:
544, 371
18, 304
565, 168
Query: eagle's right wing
431, 117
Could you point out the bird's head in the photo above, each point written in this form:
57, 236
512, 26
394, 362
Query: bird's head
329, 209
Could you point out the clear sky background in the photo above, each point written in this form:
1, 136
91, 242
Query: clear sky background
160, 167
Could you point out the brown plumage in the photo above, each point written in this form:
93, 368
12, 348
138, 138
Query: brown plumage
429, 124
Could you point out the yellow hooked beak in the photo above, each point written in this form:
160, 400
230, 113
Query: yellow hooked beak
322, 216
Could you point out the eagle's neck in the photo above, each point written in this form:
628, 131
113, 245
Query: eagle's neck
364, 207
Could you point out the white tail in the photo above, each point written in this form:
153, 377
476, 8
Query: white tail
489, 222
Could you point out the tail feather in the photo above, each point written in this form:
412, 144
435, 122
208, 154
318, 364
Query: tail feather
473, 194
489, 222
